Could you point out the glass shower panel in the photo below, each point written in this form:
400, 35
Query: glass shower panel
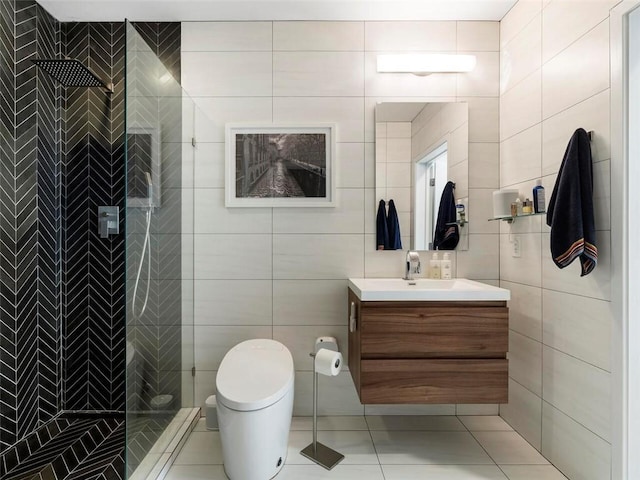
159, 174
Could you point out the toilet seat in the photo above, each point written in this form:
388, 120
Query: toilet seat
254, 375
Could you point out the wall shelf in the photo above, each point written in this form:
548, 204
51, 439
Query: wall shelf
512, 219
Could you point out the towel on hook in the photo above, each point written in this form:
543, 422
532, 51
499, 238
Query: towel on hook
382, 232
570, 212
393, 227
447, 235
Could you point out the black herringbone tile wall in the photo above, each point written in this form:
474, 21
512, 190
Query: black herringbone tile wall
62, 292
93, 175
30, 314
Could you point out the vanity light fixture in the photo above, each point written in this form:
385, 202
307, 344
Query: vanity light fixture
425, 63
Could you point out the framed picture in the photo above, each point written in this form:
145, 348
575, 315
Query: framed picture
280, 166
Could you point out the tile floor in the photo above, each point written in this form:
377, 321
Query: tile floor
389, 448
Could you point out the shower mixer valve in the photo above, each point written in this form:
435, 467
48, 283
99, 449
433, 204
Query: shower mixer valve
108, 221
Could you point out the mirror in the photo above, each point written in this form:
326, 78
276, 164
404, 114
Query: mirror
419, 148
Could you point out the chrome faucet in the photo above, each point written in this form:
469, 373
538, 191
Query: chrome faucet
412, 265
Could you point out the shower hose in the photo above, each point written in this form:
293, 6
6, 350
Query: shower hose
145, 249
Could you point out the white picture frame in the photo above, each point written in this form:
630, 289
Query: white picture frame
280, 165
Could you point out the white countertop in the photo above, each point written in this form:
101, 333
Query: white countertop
425, 289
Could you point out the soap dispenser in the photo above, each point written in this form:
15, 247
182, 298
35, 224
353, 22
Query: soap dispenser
445, 266
434, 266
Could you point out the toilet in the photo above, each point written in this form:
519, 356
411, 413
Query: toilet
254, 394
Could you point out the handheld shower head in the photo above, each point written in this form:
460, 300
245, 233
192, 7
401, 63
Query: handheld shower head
149, 188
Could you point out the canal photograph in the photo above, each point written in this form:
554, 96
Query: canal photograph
280, 165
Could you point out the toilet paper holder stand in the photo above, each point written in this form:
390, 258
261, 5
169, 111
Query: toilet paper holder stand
317, 452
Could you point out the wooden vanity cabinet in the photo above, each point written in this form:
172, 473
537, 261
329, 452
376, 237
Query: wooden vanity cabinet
429, 352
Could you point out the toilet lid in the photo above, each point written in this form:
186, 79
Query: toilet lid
254, 374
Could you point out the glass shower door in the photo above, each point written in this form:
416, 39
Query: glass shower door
159, 164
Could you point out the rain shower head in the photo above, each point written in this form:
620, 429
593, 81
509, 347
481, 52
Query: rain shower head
72, 73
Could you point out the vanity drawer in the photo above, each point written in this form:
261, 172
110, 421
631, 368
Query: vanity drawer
435, 331
434, 381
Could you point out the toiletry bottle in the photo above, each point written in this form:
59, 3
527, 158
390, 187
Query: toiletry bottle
527, 207
538, 197
518, 206
445, 266
434, 266
460, 211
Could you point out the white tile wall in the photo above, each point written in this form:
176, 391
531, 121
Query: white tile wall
318, 36
209, 165
411, 36
309, 302
228, 74
555, 79
573, 449
226, 37
562, 24
233, 302
580, 390
521, 156
484, 165
211, 216
521, 56
281, 273
579, 326
524, 413
525, 309
484, 115
564, 78
318, 74
520, 15
525, 362
220, 257
521, 107
478, 36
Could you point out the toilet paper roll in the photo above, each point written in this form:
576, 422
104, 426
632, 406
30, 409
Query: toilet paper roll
330, 343
328, 362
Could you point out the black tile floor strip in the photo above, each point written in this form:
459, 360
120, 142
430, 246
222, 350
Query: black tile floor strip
84, 448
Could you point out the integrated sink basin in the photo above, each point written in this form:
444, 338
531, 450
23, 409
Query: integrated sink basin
425, 289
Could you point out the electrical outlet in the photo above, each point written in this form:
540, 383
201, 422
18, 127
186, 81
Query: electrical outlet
515, 246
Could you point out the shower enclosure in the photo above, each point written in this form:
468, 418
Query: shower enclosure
96, 326
159, 123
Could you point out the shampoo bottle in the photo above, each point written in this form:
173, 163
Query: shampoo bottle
538, 197
445, 266
434, 266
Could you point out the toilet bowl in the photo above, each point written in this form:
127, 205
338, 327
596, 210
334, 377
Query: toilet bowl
254, 393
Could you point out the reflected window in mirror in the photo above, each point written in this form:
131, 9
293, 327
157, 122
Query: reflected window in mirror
430, 179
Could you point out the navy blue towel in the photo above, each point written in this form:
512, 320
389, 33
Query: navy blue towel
570, 211
393, 226
446, 236
382, 232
